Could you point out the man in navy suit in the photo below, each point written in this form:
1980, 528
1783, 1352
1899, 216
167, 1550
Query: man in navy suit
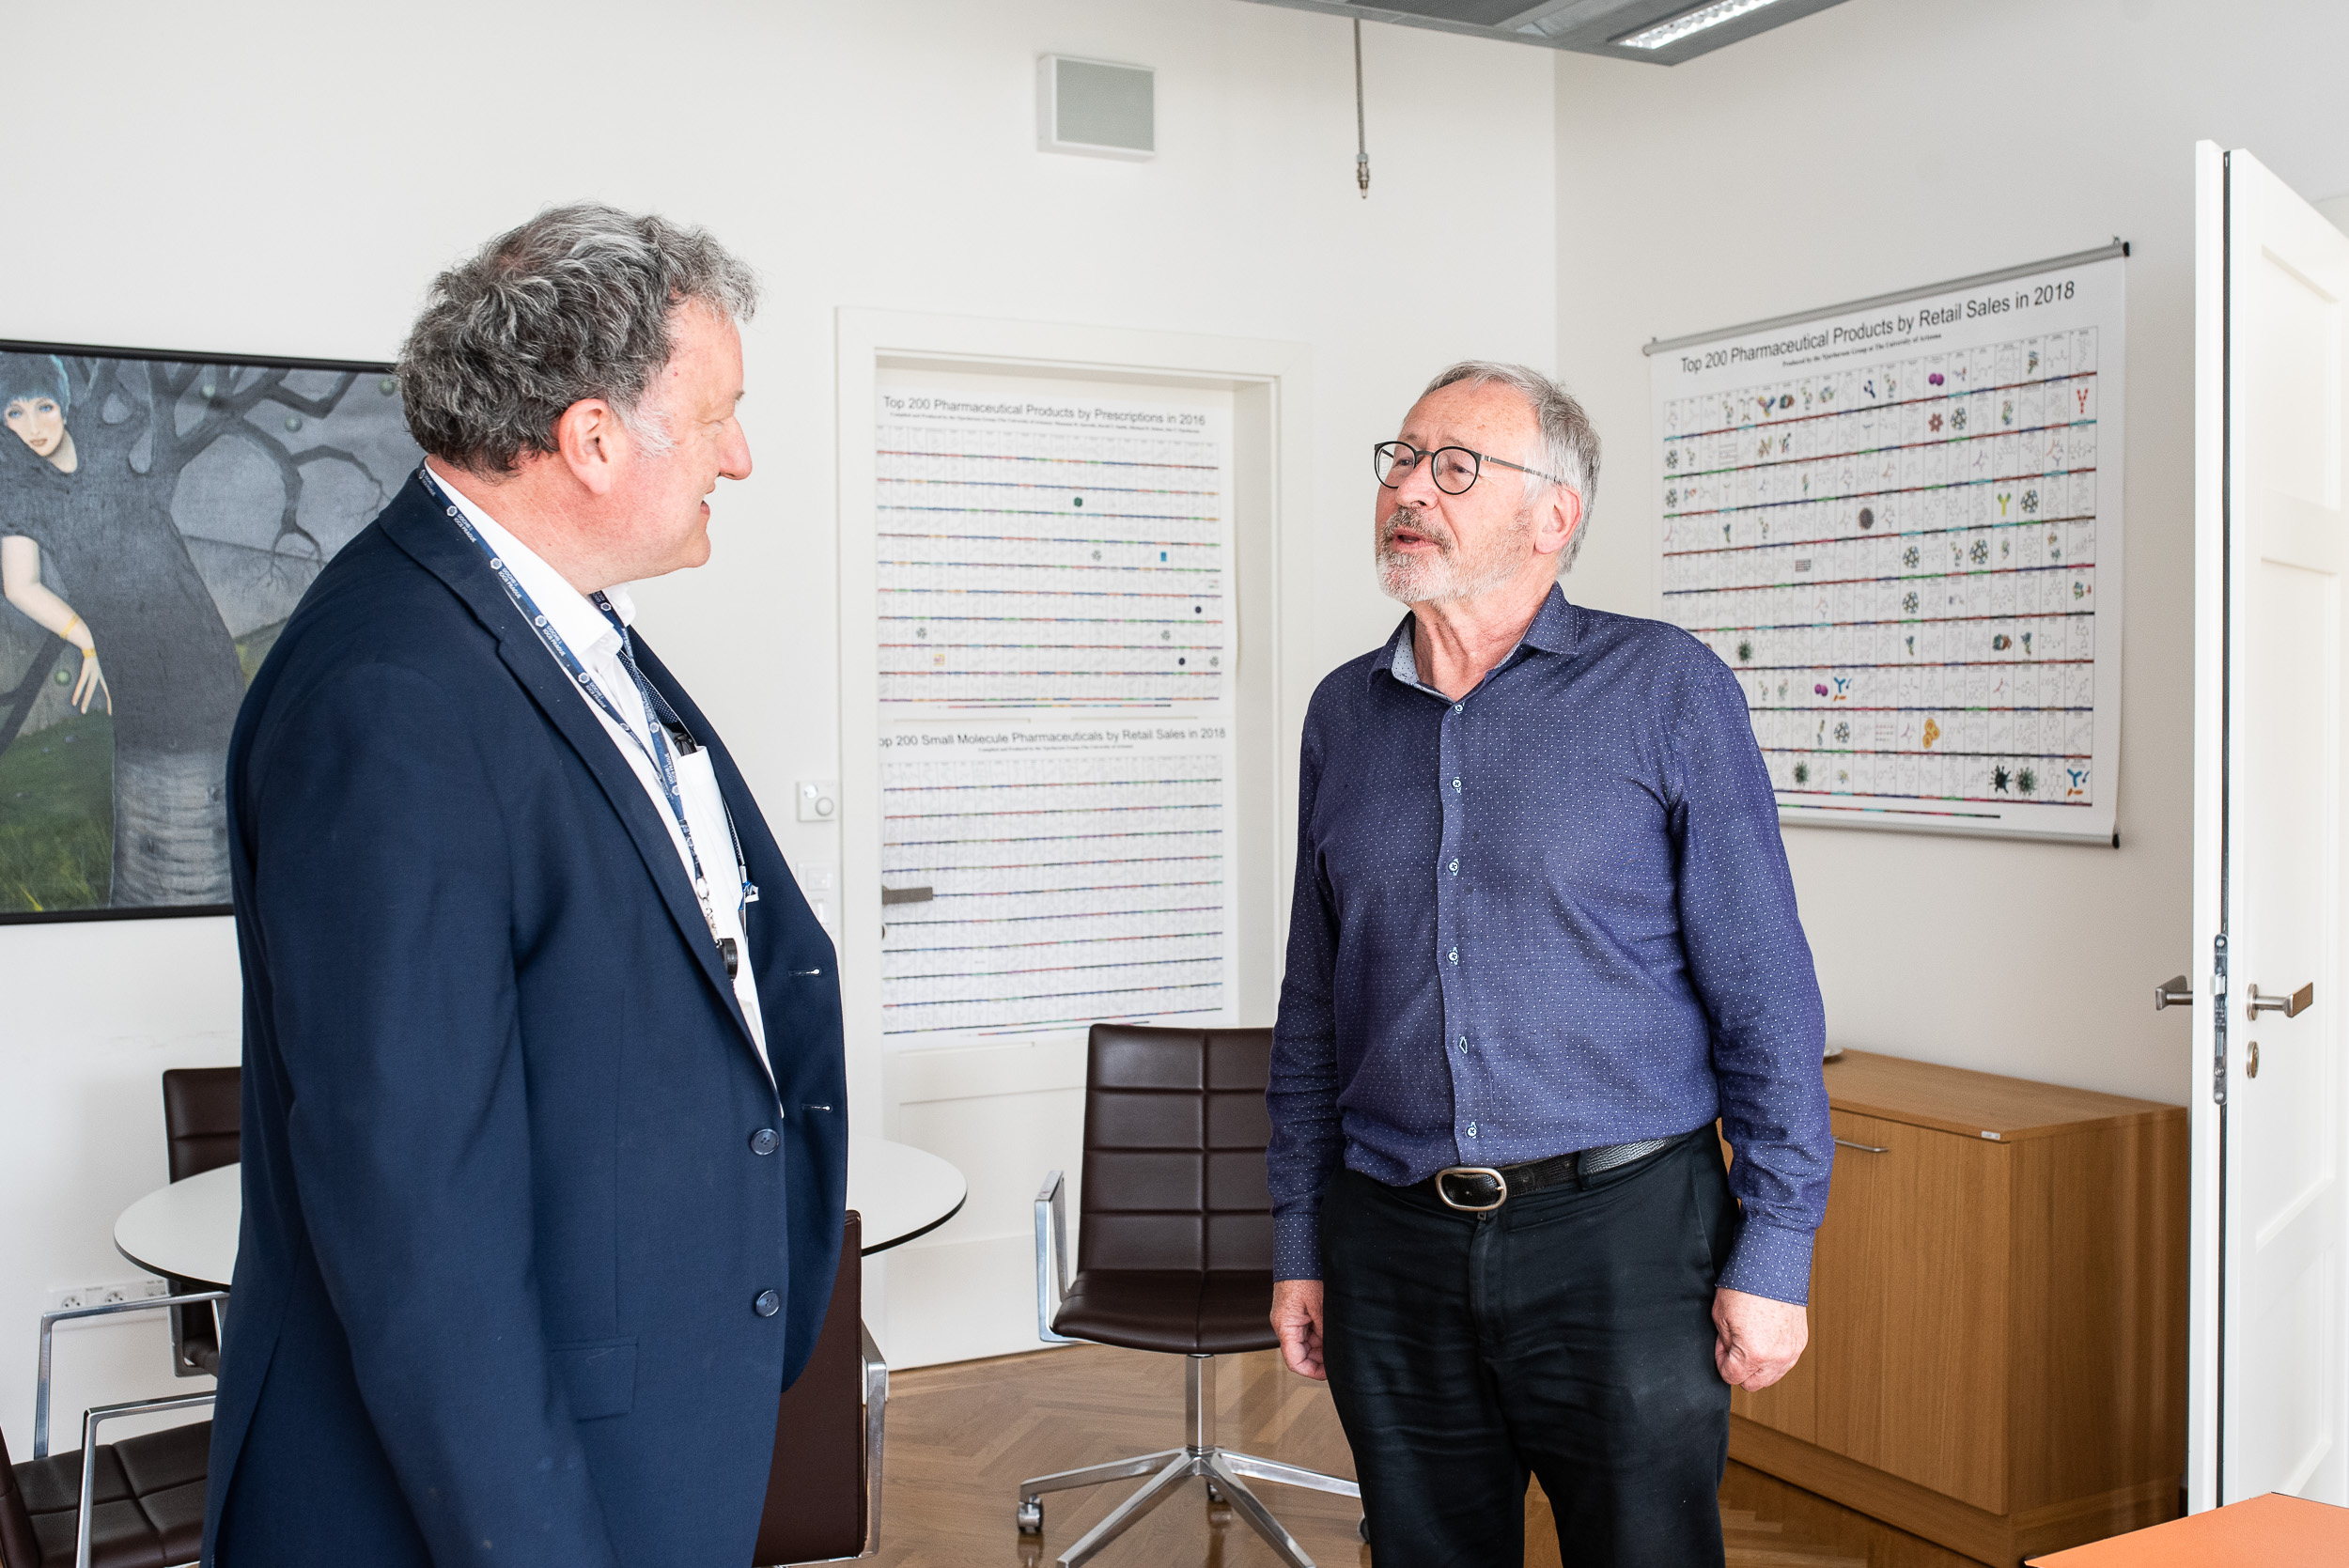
545, 1144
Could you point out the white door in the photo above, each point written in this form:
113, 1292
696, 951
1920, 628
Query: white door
2272, 546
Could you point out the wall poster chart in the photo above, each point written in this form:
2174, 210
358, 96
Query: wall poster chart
1055, 689
1899, 524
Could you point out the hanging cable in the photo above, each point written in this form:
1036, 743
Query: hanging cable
1361, 142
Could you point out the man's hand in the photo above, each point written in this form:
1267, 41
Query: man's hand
1296, 1318
1757, 1339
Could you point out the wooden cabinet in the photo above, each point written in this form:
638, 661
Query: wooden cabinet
1998, 1314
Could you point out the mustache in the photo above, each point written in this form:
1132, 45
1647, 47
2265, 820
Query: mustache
1418, 522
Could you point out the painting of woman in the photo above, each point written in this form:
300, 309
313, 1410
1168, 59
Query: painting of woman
105, 462
155, 643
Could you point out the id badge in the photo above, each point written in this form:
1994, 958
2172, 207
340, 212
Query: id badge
705, 805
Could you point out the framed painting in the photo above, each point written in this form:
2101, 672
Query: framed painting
161, 515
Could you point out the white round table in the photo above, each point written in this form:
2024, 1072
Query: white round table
189, 1228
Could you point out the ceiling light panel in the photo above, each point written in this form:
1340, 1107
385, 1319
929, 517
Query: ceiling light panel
1666, 31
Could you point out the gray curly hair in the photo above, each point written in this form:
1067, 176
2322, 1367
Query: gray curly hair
1569, 445
573, 304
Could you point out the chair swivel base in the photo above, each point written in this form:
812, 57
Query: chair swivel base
1221, 1469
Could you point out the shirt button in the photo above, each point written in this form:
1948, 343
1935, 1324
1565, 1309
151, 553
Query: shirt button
1455, 954
1455, 868
762, 1141
1455, 708
1472, 1134
1456, 786
766, 1304
1463, 1045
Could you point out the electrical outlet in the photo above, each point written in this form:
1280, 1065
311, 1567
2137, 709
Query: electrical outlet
71, 1296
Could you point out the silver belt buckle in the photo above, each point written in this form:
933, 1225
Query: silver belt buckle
1499, 1181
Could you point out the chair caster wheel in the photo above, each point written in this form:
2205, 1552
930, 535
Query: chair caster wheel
1361, 1527
1030, 1515
1216, 1497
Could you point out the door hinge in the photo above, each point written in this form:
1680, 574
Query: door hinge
2218, 1020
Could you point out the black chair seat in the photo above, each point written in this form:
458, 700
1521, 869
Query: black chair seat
1181, 1311
148, 1497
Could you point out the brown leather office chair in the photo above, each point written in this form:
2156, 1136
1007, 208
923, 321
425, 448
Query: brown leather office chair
146, 1502
824, 1484
141, 1503
1174, 1239
202, 1113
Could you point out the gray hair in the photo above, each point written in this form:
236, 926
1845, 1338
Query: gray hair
1569, 446
574, 305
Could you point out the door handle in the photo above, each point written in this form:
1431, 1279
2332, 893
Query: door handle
1863, 1148
2290, 1006
2176, 991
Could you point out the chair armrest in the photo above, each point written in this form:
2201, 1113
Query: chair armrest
49, 1320
876, 1402
90, 1420
1051, 1255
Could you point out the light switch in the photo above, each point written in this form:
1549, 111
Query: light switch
819, 801
818, 882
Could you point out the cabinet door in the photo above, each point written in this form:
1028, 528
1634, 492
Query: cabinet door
1910, 1319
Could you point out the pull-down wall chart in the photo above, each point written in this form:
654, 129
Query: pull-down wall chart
1899, 524
1056, 658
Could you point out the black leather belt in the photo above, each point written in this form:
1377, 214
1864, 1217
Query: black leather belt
1483, 1188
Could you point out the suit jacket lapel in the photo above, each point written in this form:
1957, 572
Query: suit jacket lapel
762, 858
416, 525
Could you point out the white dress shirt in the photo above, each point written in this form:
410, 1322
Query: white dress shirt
591, 639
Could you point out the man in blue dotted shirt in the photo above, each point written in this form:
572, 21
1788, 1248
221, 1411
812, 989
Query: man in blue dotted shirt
1544, 935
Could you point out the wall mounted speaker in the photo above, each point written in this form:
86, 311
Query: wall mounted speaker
1096, 107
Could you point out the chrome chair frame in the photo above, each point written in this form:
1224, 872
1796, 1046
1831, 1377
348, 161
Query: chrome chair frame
876, 1404
98, 1414
1200, 1455
90, 1420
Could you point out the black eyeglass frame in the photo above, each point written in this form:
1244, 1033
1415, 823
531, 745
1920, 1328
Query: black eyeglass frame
1478, 459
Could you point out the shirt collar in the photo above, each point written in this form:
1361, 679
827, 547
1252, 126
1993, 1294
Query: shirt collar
575, 617
1551, 631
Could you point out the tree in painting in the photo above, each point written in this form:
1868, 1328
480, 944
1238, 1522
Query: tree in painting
120, 473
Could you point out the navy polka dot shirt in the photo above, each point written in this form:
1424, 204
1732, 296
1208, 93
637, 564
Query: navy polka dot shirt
1551, 916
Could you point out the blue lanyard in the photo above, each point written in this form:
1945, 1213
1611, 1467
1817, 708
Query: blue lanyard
669, 729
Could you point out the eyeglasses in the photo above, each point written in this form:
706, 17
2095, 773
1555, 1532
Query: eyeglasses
1453, 468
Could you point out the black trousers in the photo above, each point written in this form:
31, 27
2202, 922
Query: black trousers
1568, 1335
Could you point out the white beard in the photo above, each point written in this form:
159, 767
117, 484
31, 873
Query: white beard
1448, 574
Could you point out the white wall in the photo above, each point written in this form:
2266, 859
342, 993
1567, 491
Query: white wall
282, 179
1887, 144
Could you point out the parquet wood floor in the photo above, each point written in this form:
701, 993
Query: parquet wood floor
962, 1437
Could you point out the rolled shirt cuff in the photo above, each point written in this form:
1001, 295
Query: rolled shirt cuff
1770, 1260
1297, 1244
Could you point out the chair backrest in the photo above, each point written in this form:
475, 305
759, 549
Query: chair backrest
1174, 1137
202, 1112
814, 1507
20, 1547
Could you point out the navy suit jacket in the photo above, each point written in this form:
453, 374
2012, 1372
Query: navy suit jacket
505, 1230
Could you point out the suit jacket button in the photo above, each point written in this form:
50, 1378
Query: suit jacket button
767, 1304
762, 1141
